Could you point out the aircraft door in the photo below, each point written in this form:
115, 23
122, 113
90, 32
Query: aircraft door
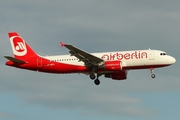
39, 62
151, 55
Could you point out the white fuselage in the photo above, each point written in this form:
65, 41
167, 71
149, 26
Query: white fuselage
136, 58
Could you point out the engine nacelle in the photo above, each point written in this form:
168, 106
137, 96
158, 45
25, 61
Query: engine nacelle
121, 75
112, 65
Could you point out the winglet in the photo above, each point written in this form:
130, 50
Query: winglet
62, 44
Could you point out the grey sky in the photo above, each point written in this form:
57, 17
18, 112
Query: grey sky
93, 26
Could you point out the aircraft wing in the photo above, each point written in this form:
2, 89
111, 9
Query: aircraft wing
86, 57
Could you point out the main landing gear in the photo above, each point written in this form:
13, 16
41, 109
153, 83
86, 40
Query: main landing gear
152, 73
96, 81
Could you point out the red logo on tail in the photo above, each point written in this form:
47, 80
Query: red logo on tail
19, 46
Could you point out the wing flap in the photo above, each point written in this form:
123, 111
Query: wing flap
14, 60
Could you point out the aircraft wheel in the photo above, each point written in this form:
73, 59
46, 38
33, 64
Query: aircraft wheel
92, 76
153, 75
96, 82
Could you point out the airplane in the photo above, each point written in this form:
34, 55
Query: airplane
114, 65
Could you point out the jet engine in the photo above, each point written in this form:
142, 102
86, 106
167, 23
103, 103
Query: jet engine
112, 65
121, 75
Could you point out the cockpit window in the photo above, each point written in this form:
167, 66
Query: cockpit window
163, 54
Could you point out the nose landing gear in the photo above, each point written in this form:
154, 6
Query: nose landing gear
152, 73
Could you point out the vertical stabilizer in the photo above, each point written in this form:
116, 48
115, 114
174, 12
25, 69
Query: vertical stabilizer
20, 48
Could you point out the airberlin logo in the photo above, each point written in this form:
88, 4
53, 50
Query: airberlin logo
18, 46
126, 56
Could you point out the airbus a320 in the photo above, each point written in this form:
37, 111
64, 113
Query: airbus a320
114, 65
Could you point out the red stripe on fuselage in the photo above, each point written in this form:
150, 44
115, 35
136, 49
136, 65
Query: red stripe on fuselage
58, 67
49, 66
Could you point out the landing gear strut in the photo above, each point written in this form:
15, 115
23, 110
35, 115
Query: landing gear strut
152, 73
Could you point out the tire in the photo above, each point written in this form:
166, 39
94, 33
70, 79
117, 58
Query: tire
96, 82
153, 76
92, 76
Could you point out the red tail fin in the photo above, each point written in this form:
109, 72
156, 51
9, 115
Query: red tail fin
20, 48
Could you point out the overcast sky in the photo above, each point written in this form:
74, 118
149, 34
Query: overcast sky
94, 26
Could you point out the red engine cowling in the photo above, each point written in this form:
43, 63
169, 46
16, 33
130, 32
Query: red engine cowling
112, 65
122, 75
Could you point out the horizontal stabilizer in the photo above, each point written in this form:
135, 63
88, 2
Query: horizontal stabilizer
15, 60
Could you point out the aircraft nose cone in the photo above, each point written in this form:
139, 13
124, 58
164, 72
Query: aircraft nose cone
172, 60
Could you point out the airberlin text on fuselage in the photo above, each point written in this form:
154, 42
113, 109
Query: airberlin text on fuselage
126, 56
